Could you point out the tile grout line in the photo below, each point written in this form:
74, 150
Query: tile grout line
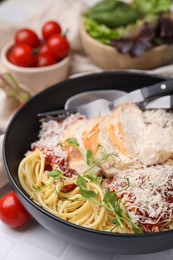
15, 246
17, 243
65, 250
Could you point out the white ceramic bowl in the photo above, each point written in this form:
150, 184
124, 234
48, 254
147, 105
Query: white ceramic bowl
37, 78
107, 57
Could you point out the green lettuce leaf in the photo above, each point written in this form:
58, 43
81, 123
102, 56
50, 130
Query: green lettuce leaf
152, 6
100, 32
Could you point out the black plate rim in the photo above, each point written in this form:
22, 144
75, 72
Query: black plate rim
25, 195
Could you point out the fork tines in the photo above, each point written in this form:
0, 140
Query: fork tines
56, 114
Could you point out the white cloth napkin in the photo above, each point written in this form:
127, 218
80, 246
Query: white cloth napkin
68, 14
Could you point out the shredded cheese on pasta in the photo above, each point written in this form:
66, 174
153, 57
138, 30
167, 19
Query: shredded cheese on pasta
144, 147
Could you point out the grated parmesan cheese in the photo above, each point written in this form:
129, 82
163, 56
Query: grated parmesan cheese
147, 135
51, 135
149, 198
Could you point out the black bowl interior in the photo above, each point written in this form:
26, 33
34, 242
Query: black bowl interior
23, 130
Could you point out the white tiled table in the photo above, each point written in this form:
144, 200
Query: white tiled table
34, 242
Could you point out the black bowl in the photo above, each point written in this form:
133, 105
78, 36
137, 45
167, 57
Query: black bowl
23, 130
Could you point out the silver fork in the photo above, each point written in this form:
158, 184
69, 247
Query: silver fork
104, 107
82, 100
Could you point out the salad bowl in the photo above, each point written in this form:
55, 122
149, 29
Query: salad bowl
107, 57
133, 35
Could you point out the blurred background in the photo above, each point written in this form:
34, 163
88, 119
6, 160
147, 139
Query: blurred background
17, 10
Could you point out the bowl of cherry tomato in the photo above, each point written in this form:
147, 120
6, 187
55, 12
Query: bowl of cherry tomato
38, 62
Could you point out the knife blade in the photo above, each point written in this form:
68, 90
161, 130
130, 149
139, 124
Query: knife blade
145, 93
165, 102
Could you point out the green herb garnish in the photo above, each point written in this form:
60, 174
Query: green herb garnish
72, 142
111, 203
36, 188
56, 173
93, 178
111, 200
86, 194
89, 157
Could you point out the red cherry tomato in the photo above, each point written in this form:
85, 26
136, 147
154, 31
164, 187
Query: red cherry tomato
59, 46
44, 60
12, 212
44, 49
27, 36
21, 55
50, 28
69, 187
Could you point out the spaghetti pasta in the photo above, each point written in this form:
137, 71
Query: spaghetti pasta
71, 206
103, 185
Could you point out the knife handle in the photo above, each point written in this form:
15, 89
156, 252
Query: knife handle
158, 89
165, 102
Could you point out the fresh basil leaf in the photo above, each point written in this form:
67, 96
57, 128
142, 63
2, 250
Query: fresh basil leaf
72, 142
56, 173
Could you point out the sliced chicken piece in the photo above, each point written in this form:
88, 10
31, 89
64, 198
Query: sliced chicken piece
128, 136
155, 144
123, 127
105, 133
144, 136
85, 131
